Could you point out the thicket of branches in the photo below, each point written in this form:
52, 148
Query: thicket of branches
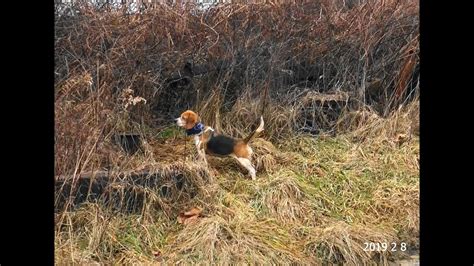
301, 65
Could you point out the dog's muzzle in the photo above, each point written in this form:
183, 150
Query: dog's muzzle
179, 121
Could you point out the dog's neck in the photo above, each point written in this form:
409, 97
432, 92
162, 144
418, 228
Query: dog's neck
197, 130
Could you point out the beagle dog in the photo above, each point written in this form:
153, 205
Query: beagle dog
207, 142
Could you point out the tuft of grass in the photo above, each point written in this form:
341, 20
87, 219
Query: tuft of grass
282, 197
340, 242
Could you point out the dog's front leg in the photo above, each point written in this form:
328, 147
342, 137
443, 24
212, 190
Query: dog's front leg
202, 155
200, 149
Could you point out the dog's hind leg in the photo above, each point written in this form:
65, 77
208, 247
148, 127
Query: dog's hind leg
248, 165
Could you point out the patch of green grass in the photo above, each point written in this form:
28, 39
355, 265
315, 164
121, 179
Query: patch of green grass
170, 132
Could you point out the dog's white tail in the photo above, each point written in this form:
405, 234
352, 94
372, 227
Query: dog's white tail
256, 132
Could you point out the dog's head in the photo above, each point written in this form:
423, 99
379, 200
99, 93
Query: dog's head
188, 119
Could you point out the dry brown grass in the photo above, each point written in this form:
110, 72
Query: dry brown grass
307, 68
330, 196
342, 242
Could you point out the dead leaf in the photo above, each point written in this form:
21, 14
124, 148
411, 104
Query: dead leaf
158, 255
189, 216
181, 218
193, 211
190, 220
401, 138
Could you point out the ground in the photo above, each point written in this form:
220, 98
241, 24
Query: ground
317, 199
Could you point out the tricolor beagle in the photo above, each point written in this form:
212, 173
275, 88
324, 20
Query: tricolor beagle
207, 142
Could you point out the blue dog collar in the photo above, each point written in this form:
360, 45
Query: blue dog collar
197, 129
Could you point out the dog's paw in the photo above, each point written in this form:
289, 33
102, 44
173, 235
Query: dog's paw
253, 175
